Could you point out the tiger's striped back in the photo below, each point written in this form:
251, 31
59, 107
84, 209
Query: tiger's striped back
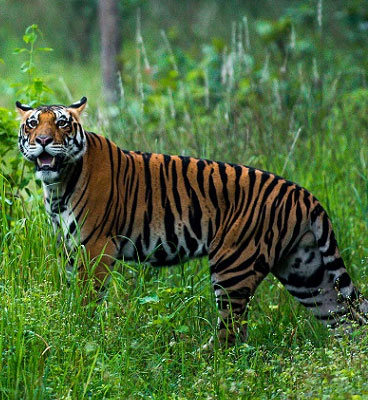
170, 208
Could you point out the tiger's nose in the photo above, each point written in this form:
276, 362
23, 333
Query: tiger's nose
43, 140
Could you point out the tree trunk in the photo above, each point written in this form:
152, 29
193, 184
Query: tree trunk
110, 42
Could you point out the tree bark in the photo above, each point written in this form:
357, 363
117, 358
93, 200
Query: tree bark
110, 43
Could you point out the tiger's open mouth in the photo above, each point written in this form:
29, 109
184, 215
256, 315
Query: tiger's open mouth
46, 162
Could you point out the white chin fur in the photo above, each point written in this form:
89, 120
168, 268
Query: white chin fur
47, 176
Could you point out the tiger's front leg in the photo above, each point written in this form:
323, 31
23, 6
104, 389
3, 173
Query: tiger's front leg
234, 284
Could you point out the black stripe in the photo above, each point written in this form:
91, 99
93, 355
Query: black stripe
261, 265
109, 204
147, 175
88, 238
283, 223
227, 262
306, 201
81, 211
325, 230
238, 172
167, 160
132, 176
195, 215
261, 206
190, 242
174, 178
139, 250
133, 211
209, 233
72, 227
224, 179
84, 191
80, 144
200, 178
169, 221
234, 216
255, 206
278, 247
117, 201
304, 295
128, 161
332, 246
343, 281
260, 222
235, 279
90, 140
117, 218
163, 193
185, 164
317, 211
72, 181
296, 230
160, 253
97, 137
269, 235
148, 185
252, 179
146, 229
131, 216
118, 170
212, 190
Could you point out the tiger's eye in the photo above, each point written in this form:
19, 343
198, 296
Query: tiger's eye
62, 123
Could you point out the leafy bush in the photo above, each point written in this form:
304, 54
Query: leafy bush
32, 91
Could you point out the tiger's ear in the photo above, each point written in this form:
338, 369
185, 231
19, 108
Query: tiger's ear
79, 106
22, 108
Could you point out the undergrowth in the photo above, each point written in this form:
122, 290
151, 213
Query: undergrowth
280, 110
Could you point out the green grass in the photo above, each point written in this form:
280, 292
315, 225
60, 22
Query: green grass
143, 342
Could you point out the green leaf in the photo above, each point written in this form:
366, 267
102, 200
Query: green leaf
20, 50
32, 27
30, 35
149, 299
7, 201
25, 67
30, 38
183, 329
38, 85
47, 49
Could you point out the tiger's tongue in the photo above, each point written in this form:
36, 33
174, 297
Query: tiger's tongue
45, 159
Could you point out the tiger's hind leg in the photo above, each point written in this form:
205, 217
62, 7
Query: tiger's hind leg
321, 283
235, 279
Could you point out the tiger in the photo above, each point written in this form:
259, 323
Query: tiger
166, 209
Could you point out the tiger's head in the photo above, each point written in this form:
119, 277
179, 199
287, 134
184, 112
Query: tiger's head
51, 137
